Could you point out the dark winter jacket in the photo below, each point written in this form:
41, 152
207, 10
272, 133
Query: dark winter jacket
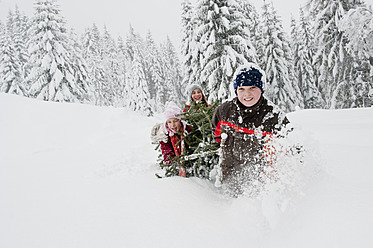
247, 129
168, 149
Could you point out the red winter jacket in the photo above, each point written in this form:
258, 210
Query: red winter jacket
168, 150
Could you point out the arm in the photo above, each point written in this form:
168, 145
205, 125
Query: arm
167, 151
216, 127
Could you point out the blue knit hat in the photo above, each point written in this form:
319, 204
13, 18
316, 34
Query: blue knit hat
249, 76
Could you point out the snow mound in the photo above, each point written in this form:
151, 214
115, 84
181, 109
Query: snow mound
82, 176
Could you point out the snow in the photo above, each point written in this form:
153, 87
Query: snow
76, 175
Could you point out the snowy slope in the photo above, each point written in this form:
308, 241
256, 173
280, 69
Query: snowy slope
83, 176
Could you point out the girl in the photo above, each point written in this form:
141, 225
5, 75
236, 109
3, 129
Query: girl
195, 95
174, 129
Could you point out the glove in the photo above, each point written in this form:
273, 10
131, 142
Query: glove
158, 133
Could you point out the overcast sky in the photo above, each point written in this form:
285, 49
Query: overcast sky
161, 17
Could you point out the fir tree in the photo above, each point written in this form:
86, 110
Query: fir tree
137, 86
154, 74
18, 26
200, 157
252, 22
52, 73
276, 61
122, 70
112, 84
225, 44
92, 53
358, 26
171, 71
187, 42
336, 64
10, 68
79, 65
303, 54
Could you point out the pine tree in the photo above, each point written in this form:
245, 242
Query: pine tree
188, 47
137, 86
200, 157
17, 24
252, 22
10, 68
52, 73
112, 82
171, 71
303, 54
122, 70
79, 65
225, 44
276, 61
154, 74
358, 26
336, 64
93, 54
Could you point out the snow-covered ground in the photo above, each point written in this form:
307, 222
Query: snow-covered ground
82, 176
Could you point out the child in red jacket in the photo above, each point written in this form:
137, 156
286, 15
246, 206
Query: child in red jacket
170, 135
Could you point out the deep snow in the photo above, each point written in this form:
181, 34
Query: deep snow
82, 176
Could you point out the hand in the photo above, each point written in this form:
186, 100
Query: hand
182, 172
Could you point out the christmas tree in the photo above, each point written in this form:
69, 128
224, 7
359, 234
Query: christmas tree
200, 155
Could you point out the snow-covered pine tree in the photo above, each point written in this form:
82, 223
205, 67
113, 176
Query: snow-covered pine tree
2, 31
93, 54
171, 73
190, 51
277, 62
79, 65
252, 19
10, 68
139, 93
52, 74
2, 40
111, 66
154, 74
302, 46
224, 41
17, 25
358, 26
336, 64
122, 70
138, 96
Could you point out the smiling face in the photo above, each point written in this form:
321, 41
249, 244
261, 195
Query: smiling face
174, 125
248, 95
197, 95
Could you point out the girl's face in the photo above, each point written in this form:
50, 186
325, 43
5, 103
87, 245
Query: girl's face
248, 95
174, 125
197, 95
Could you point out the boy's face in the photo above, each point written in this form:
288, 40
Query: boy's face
174, 124
248, 95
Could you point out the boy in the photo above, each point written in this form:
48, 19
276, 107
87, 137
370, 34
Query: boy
244, 126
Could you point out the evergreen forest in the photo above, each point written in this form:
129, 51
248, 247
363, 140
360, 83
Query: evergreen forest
326, 61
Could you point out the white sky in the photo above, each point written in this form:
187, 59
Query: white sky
161, 17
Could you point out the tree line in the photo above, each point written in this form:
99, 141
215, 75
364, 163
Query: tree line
325, 62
